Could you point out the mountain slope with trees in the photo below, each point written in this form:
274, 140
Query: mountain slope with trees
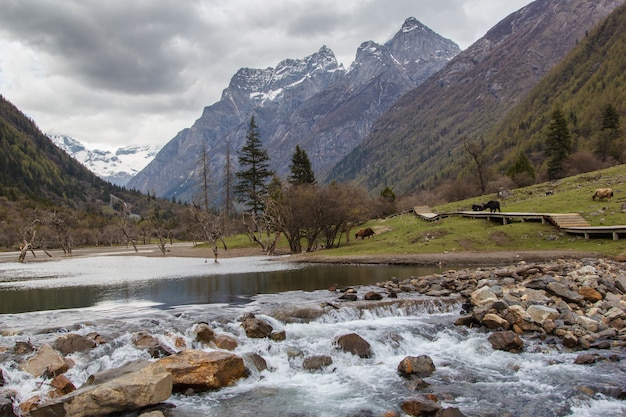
421, 141
589, 88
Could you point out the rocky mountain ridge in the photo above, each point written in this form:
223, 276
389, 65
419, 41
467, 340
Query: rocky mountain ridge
311, 102
418, 142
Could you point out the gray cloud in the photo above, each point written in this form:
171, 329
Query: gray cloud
139, 71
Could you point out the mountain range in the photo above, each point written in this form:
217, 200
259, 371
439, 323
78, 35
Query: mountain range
116, 167
419, 141
400, 114
311, 102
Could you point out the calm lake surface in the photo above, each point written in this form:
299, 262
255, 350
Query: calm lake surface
86, 282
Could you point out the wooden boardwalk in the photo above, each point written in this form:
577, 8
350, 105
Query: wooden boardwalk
572, 223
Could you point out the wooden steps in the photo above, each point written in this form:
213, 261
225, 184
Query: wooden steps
568, 220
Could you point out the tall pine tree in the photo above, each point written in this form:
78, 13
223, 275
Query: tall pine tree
558, 145
301, 170
251, 188
610, 142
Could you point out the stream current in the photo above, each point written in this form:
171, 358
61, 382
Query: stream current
119, 296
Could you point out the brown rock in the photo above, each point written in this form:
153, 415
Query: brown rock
72, 343
450, 412
420, 407
203, 371
590, 294
419, 366
372, 296
585, 359
204, 333
62, 385
354, 344
278, 336
223, 341
317, 362
507, 340
143, 340
46, 361
256, 328
257, 360
493, 321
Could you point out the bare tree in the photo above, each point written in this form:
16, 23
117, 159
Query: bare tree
30, 238
205, 227
157, 224
261, 231
476, 151
125, 225
61, 222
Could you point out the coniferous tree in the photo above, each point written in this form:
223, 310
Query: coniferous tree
558, 144
301, 170
251, 188
610, 143
521, 167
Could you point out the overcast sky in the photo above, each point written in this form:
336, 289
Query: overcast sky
120, 72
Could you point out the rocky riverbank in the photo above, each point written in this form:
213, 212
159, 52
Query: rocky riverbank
574, 305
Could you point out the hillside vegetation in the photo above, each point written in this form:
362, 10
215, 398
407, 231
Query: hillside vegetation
591, 77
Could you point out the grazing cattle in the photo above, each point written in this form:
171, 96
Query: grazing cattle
492, 205
601, 193
478, 207
363, 233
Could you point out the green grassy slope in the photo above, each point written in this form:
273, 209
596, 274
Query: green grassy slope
410, 234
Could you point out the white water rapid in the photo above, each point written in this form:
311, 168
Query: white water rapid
541, 381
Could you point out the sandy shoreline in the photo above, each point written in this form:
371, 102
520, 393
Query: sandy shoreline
189, 250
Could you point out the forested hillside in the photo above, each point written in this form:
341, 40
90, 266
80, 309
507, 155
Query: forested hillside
32, 166
591, 79
49, 200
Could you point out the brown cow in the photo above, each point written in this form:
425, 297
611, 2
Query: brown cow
601, 193
363, 233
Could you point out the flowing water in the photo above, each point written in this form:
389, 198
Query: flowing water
118, 296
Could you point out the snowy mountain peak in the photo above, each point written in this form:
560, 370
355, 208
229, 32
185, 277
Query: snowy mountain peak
117, 167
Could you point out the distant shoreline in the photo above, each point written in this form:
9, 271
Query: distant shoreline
188, 250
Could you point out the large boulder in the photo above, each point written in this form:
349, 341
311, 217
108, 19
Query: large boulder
203, 371
355, 344
131, 387
420, 366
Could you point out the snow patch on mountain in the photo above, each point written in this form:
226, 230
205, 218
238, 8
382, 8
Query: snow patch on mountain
116, 166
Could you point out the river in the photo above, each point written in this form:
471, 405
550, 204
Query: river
118, 296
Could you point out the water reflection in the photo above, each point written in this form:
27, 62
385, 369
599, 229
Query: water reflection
166, 282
